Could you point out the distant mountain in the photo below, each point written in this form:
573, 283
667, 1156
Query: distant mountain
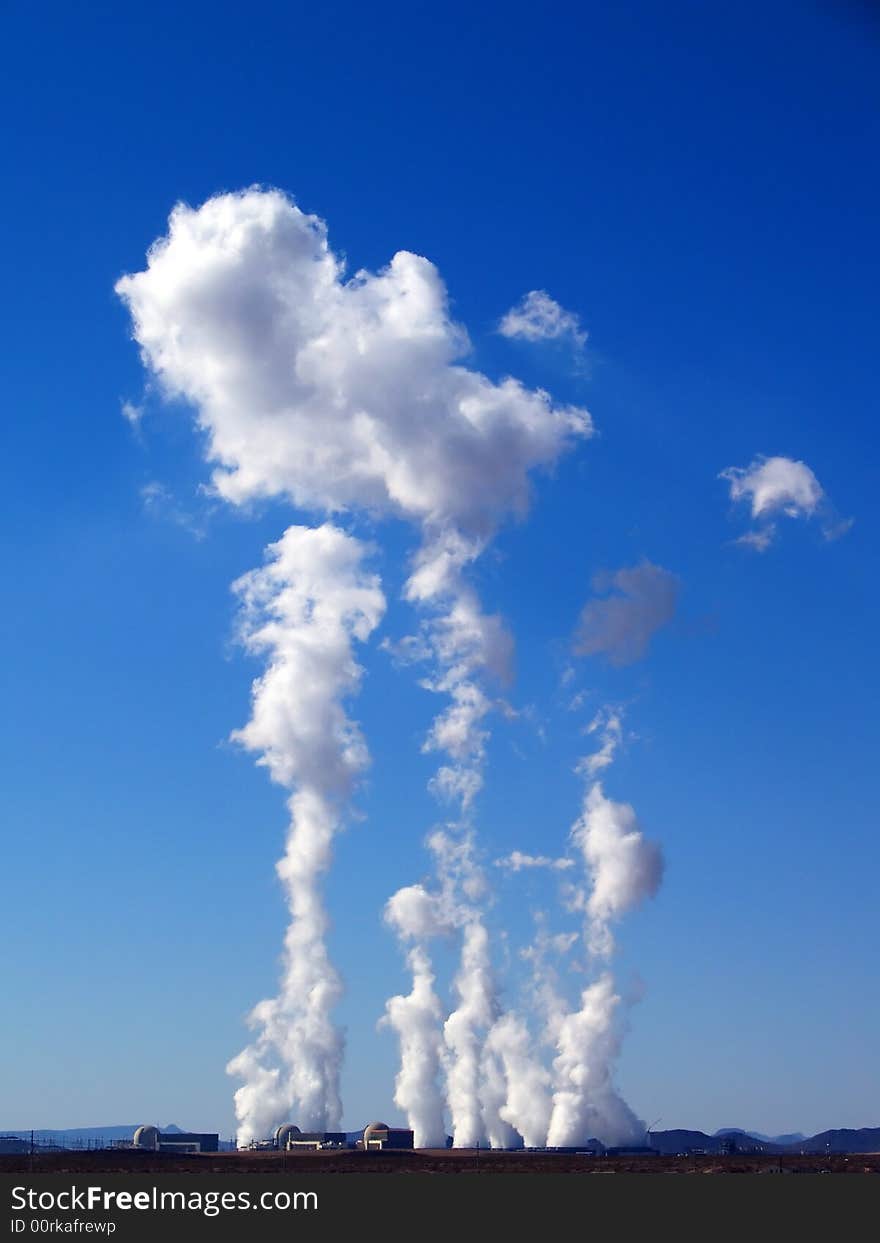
865, 1139
794, 1137
671, 1142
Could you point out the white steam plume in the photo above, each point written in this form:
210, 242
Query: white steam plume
302, 611
586, 1104
623, 869
417, 1018
527, 1103
466, 643
578, 1101
465, 1032
341, 394
494, 1091
418, 916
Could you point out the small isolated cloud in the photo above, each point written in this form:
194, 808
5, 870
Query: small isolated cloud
538, 317
160, 502
640, 601
516, 861
775, 487
132, 413
773, 484
760, 540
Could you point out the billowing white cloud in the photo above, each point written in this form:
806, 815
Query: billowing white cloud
780, 486
641, 600
538, 317
335, 393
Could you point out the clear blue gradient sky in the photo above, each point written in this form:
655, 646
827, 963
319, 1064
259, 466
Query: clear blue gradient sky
699, 184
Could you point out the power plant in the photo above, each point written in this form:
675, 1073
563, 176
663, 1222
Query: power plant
379, 1137
152, 1139
289, 1138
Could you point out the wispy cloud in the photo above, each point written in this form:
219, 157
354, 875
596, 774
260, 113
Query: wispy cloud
760, 540
517, 861
620, 626
608, 725
538, 317
160, 502
132, 413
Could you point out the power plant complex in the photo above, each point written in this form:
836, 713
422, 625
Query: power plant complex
376, 1137
287, 1138
154, 1140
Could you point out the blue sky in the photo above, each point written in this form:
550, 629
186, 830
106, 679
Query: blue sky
699, 188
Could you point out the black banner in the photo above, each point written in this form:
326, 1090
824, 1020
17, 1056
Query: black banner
124, 1207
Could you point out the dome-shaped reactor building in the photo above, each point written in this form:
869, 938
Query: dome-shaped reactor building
151, 1139
379, 1135
146, 1137
287, 1131
289, 1138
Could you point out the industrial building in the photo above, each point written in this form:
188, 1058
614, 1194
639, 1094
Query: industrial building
376, 1136
379, 1135
290, 1138
151, 1139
